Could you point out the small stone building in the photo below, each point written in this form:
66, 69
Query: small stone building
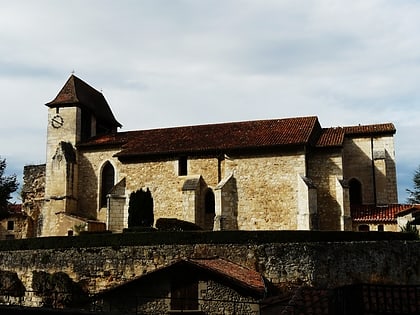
193, 286
277, 174
15, 225
389, 218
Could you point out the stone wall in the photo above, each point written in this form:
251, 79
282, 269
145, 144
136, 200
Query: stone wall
325, 168
372, 162
315, 264
267, 189
267, 193
268, 186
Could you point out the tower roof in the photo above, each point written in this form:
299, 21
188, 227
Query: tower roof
76, 92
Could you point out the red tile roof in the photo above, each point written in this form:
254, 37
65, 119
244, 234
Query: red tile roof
240, 274
387, 128
260, 134
233, 273
75, 91
331, 137
15, 208
225, 137
372, 213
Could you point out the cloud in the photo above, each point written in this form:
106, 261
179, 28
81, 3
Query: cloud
179, 62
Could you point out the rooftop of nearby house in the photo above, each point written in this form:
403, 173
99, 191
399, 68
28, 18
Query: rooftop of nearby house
217, 268
15, 208
384, 214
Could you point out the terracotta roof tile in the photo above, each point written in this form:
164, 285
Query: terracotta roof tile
242, 275
331, 137
370, 129
219, 138
15, 208
372, 213
76, 91
235, 274
258, 134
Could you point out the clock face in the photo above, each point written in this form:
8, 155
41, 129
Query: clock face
57, 121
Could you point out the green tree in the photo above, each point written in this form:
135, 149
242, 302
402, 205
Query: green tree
8, 185
414, 194
411, 229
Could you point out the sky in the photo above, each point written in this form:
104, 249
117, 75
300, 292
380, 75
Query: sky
165, 63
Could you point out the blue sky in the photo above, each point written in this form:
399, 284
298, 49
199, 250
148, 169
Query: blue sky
168, 63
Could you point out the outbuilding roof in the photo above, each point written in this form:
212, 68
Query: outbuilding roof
214, 267
384, 214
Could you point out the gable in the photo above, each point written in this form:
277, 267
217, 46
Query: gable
220, 270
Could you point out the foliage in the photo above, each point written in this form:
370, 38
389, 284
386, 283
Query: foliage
172, 224
78, 228
10, 284
410, 229
140, 209
57, 290
414, 194
8, 185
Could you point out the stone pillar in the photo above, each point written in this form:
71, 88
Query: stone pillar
306, 218
343, 200
226, 203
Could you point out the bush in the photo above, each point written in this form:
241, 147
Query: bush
172, 224
410, 229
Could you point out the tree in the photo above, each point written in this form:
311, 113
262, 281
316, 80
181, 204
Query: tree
8, 185
411, 229
140, 209
414, 194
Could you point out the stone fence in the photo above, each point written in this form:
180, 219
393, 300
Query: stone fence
319, 263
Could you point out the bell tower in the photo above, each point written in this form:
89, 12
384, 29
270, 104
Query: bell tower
77, 113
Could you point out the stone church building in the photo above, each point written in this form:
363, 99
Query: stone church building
277, 174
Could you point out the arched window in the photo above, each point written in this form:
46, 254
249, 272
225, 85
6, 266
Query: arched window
355, 191
108, 179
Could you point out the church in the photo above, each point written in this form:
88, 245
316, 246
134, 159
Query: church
276, 174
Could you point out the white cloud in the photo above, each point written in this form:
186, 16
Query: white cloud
171, 62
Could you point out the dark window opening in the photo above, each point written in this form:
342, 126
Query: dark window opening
108, 177
182, 166
364, 228
380, 227
86, 131
10, 225
102, 129
355, 191
184, 295
209, 204
70, 233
